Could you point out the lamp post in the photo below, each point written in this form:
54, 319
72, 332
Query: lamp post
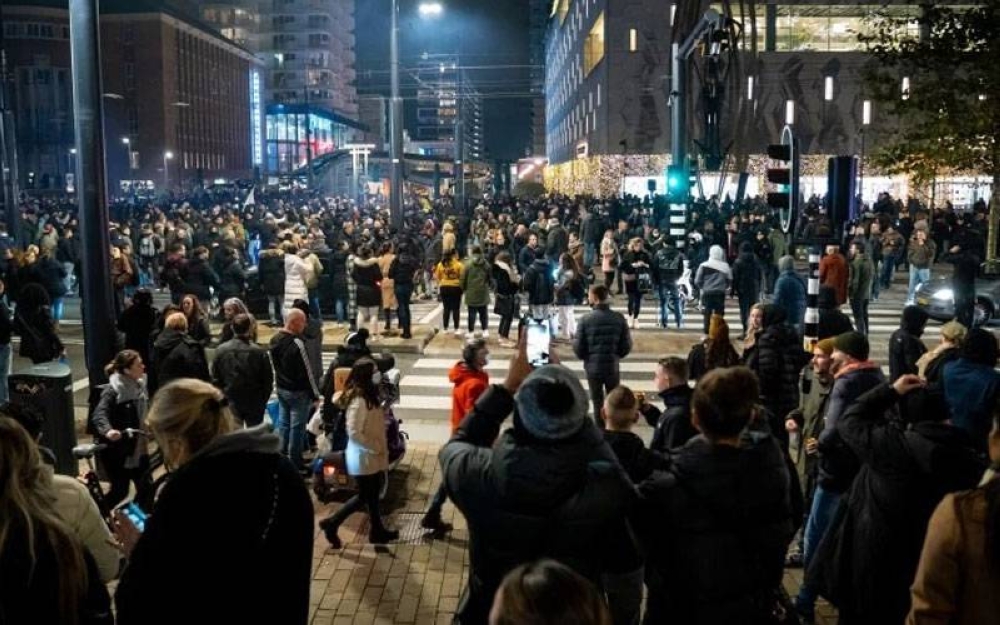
166, 178
128, 159
395, 126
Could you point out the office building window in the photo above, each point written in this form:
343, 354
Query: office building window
593, 46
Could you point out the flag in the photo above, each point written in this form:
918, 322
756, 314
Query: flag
250, 201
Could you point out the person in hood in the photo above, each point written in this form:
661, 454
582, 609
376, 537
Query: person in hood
713, 279
270, 529
475, 284
905, 346
470, 380
972, 384
832, 321
717, 525
548, 487
790, 293
123, 405
177, 355
746, 281
867, 562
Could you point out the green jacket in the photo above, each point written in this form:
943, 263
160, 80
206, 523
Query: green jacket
779, 245
859, 285
809, 417
476, 282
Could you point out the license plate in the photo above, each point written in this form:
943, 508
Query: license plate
923, 301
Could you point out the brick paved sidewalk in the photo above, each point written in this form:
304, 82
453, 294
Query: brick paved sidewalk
416, 580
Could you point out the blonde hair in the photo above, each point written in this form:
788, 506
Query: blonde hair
27, 500
186, 415
177, 321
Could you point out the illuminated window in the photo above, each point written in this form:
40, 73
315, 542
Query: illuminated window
633, 40
593, 47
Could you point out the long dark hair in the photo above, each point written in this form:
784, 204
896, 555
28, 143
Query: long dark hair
359, 384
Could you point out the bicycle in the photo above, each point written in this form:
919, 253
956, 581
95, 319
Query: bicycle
147, 489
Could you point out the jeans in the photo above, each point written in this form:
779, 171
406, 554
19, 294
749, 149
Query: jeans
277, 301
859, 308
712, 303
5, 356
403, 293
68, 280
589, 254
888, 268
314, 309
505, 321
918, 277
477, 311
876, 281
624, 592
598, 387
824, 506
669, 298
293, 414
634, 303
340, 309
437, 502
369, 490
57, 308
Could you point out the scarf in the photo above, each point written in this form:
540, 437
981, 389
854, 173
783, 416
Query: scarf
128, 389
510, 272
855, 366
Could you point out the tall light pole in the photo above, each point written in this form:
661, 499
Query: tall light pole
395, 126
866, 120
128, 159
166, 178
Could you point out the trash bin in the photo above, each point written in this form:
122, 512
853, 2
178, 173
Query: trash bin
48, 388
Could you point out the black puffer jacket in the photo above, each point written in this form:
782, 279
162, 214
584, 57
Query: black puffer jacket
832, 321
837, 463
746, 272
715, 529
243, 371
232, 281
337, 274
526, 500
198, 277
868, 561
777, 360
176, 355
272, 272
672, 426
602, 339
403, 268
905, 346
538, 283
367, 275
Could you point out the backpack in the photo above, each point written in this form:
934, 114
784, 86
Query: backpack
669, 265
147, 247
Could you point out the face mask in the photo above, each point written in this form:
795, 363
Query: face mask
377, 377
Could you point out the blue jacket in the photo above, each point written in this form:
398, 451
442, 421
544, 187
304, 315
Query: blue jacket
970, 392
790, 295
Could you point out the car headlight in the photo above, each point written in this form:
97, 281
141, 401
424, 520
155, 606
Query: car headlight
944, 294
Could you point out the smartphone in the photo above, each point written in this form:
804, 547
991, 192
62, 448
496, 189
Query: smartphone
538, 342
136, 515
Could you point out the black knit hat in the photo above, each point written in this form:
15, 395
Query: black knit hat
854, 344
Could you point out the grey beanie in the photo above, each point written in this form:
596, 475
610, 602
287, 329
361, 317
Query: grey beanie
786, 263
551, 403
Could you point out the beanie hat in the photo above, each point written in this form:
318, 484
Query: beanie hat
551, 403
826, 345
854, 344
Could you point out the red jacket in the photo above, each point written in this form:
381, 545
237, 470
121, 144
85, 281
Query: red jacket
833, 272
469, 385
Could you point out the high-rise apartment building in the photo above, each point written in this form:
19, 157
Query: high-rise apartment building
537, 22
444, 92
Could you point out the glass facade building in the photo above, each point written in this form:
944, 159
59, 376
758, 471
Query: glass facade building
292, 129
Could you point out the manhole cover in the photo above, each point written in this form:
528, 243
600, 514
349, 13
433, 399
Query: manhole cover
408, 524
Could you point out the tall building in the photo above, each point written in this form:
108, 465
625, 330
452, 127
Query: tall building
537, 22
179, 100
607, 83
444, 91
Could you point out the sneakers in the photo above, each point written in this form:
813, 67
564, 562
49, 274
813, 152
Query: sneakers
434, 523
459, 333
635, 324
486, 334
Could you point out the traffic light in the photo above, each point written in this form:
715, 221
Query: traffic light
678, 184
786, 177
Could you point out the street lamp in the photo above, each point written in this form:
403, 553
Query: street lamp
166, 178
430, 9
128, 157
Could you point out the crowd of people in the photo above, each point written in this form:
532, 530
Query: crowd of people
763, 455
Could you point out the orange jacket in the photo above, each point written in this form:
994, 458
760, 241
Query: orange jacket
469, 385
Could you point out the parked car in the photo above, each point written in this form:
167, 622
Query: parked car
938, 300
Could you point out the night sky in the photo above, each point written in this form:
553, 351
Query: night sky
489, 34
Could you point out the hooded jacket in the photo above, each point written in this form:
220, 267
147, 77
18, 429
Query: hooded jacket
525, 499
832, 321
870, 559
715, 530
297, 272
746, 273
971, 390
714, 275
469, 385
476, 281
176, 355
539, 283
790, 293
905, 346
270, 528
